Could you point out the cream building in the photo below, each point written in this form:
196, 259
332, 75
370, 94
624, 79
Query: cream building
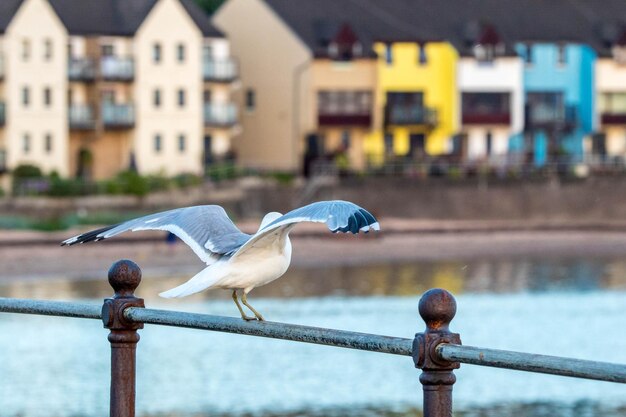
87, 93
611, 98
308, 80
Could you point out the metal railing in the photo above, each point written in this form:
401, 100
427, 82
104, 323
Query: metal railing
436, 351
116, 68
118, 116
220, 70
220, 114
81, 116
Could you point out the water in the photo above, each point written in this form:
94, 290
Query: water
59, 367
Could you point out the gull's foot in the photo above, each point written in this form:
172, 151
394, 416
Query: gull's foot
248, 318
259, 317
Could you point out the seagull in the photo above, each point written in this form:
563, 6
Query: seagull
235, 260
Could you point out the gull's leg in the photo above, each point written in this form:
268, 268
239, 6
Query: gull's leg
243, 315
244, 300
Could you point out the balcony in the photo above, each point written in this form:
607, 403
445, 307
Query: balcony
344, 108
486, 109
614, 118
114, 68
81, 69
220, 114
81, 117
551, 117
407, 115
220, 70
118, 116
612, 106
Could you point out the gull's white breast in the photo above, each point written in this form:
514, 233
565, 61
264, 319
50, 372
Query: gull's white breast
259, 265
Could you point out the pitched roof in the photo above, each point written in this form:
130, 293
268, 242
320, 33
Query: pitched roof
8, 8
318, 22
460, 22
201, 19
102, 17
117, 17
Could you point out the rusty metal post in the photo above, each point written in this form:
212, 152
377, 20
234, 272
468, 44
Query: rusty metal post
437, 308
124, 277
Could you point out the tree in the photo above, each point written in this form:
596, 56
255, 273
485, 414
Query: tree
210, 6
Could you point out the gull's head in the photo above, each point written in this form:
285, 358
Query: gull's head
269, 217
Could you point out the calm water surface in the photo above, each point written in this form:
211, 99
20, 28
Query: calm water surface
59, 367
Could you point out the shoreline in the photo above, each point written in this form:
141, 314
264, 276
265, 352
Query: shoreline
45, 262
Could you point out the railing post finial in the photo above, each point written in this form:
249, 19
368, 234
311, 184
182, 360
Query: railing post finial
437, 308
124, 277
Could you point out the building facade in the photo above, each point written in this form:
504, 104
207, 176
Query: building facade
416, 94
88, 94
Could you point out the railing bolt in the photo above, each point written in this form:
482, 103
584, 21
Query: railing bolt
124, 277
437, 308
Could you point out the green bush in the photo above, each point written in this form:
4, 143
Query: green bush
133, 183
187, 180
62, 187
27, 171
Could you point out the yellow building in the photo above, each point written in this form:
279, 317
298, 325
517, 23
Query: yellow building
416, 92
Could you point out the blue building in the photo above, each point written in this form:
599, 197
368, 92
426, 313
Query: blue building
559, 102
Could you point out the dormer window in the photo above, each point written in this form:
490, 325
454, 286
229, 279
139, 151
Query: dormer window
561, 55
619, 54
345, 45
421, 54
485, 53
528, 55
388, 54
333, 50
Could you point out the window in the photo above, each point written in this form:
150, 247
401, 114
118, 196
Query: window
107, 50
561, 56
26, 143
156, 98
250, 99
47, 96
48, 142
388, 144
207, 52
182, 143
25, 50
619, 54
422, 58
345, 139
528, 55
156, 52
388, 54
180, 52
206, 96
25, 96
47, 48
158, 145
344, 102
489, 143
181, 98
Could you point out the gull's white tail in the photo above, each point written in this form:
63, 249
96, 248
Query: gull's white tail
201, 281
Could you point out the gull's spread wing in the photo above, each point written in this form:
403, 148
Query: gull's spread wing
206, 229
340, 216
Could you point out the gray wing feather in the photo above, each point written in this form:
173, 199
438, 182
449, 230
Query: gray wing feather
206, 229
340, 216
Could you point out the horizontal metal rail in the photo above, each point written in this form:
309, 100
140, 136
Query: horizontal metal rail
50, 308
554, 365
520, 361
307, 334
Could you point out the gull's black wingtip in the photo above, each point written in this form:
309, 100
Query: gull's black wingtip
91, 236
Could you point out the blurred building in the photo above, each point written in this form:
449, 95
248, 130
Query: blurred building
496, 81
91, 88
